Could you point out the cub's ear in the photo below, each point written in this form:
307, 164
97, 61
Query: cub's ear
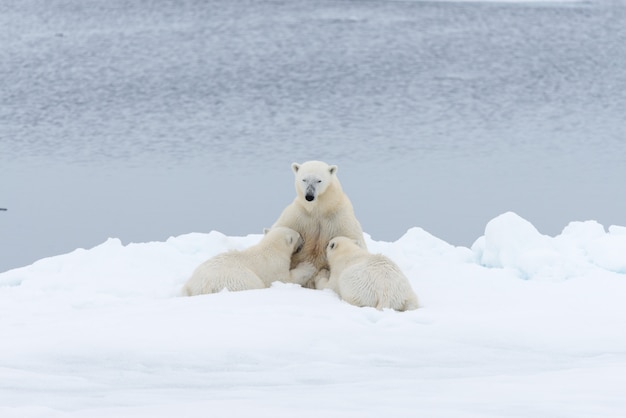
295, 167
265, 231
332, 169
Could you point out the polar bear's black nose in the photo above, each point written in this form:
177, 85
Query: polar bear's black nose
309, 197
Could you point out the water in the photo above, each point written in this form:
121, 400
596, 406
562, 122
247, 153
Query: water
147, 119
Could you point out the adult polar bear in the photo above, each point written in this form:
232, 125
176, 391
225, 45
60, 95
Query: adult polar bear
320, 212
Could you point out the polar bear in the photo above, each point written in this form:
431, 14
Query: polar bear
253, 268
320, 212
364, 279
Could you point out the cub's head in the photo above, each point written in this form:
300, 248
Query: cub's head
313, 178
286, 236
340, 245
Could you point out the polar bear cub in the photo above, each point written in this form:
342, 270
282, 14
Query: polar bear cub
253, 268
364, 279
319, 212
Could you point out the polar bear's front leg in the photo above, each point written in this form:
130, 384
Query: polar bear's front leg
302, 273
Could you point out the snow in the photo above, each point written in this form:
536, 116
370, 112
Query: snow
522, 324
513, 242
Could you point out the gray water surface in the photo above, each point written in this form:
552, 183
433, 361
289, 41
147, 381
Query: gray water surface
147, 119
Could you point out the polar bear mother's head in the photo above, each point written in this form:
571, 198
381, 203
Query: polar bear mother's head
313, 178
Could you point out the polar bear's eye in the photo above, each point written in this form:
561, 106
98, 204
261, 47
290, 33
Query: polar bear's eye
331, 245
319, 181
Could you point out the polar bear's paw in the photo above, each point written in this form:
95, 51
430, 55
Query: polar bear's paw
302, 272
321, 280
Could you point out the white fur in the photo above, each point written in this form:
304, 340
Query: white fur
320, 212
365, 279
253, 268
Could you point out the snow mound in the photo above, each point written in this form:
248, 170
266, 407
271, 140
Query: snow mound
102, 332
511, 242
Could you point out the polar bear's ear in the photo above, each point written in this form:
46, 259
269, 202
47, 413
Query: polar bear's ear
332, 169
265, 231
295, 167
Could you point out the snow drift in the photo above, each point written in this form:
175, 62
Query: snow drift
521, 324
